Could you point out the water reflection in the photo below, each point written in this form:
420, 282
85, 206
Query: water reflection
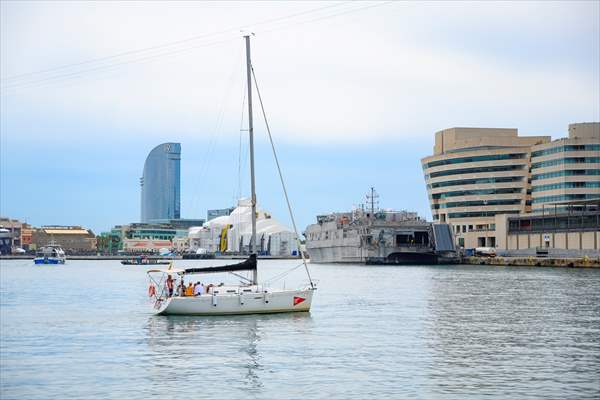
202, 347
250, 348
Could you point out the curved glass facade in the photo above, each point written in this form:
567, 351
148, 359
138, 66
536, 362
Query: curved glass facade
567, 170
463, 160
566, 185
460, 171
475, 192
560, 149
476, 174
478, 181
161, 183
568, 160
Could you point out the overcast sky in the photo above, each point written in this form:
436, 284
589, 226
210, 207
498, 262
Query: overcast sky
354, 92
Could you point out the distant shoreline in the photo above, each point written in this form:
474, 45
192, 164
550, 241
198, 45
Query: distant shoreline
109, 257
581, 262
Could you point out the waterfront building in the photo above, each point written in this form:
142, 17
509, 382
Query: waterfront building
11, 238
572, 230
26, 236
6, 238
73, 239
160, 183
221, 212
109, 242
475, 174
231, 234
145, 231
566, 170
146, 237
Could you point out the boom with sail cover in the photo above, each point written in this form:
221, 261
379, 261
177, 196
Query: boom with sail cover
247, 265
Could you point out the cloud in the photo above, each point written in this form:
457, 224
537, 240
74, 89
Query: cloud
387, 73
357, 96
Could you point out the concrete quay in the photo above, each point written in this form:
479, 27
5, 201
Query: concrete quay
580, 262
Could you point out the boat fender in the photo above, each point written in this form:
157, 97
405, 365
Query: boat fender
266, 297
151, 290
241, 299
214, 299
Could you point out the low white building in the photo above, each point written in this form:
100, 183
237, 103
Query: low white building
232, 233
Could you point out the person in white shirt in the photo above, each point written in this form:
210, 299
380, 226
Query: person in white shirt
181, 288
199, 289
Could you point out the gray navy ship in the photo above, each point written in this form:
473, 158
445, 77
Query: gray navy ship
370, 235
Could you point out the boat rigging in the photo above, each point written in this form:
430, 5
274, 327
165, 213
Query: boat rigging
249, 297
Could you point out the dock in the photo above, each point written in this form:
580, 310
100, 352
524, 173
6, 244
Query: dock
581, 262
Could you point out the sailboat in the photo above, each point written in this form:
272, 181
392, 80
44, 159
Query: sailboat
249, 297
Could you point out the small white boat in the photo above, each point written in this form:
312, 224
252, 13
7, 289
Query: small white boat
226, 299
50, 254
248, 297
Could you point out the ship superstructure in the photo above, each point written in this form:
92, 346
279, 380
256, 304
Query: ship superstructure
378, 236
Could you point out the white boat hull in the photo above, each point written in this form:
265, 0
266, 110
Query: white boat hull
230, 304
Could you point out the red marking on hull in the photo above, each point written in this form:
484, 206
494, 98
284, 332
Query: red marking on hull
298, 300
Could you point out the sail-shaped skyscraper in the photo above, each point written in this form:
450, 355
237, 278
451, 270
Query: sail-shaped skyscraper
160, 183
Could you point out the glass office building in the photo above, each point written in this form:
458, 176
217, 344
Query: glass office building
566, 170
161, 183
475, 174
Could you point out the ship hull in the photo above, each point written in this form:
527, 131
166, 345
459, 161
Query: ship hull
238, 304
387, 239
127, 262
50, 260
404, 259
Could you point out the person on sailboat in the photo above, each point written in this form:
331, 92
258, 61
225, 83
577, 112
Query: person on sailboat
189, 291
198, 289
170, 285
209, 287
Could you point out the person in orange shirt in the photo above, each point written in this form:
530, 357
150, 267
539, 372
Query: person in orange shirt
189, 290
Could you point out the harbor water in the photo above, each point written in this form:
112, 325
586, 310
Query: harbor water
86, 330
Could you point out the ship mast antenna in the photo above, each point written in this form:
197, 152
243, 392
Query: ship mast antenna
372, 199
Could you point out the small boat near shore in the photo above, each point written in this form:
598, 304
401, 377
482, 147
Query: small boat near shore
198, 256
50, 254
145, 261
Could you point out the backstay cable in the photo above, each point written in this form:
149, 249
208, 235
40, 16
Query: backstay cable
287, 200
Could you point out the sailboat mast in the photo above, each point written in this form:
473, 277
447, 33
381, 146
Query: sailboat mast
251, 133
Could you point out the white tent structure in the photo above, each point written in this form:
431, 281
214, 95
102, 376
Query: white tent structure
231, 234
